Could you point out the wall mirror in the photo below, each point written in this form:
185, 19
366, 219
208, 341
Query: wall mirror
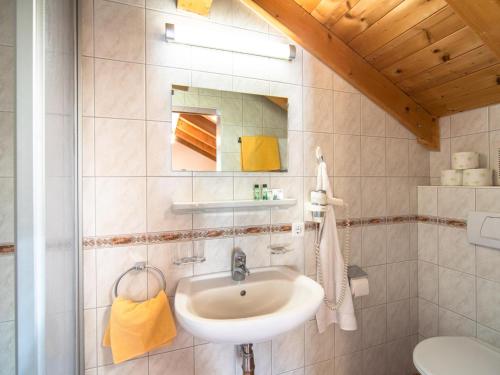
214, 130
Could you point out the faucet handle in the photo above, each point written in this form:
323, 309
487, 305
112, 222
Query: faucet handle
239, 255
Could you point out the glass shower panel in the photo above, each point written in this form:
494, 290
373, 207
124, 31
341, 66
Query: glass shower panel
7, 183
60, 189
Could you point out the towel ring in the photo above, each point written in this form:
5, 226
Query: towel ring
141, 266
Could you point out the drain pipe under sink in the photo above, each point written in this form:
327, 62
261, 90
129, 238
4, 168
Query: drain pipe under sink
248, 363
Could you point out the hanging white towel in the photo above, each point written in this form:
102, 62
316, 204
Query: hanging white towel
332, 267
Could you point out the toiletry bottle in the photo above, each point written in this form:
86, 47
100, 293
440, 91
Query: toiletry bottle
256, 192
265, 192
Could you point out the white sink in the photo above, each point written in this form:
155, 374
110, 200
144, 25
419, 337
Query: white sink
269, 302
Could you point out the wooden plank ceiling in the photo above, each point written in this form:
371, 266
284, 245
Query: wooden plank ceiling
433, 50
417, 59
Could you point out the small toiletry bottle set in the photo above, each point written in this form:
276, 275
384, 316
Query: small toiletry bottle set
266, 194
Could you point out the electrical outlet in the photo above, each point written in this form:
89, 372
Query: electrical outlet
298, 229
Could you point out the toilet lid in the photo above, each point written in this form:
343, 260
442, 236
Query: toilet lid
456, 356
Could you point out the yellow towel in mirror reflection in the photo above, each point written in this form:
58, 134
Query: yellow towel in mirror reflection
260, 153
136, 328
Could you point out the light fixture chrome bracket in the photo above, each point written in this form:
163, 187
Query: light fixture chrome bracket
169, 32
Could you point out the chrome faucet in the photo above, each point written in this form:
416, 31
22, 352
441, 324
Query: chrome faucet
239, 268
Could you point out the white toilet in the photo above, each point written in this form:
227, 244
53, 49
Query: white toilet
456, 356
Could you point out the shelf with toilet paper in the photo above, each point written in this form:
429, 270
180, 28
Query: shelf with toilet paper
466, 172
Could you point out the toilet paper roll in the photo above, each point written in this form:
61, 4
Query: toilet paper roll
478, 177
360, 287
465, 160
451, 177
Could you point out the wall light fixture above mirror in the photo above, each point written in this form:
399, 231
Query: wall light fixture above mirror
213, 39
214, 130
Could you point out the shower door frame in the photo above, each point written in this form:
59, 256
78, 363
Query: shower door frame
30, 192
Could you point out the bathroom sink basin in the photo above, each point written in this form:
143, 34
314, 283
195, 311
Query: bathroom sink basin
270, 301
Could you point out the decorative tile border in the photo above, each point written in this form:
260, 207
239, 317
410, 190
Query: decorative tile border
445, 221
7, 248
200, 234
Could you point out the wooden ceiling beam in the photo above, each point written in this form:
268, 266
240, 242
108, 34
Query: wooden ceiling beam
201, 7
201, 122
482, 16
299, 25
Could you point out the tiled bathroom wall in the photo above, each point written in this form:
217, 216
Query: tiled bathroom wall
128, 188
476, 130
7, 183
458, 282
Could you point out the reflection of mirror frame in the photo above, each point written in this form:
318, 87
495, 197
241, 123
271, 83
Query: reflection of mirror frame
201, 111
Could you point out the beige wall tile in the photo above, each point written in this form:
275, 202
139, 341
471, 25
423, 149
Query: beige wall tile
377, 277
488, 303
347, 342
119, 31
87, 86
7, 135
477, 142
488, 200
87, 28
288, 350
375, 360
90, 337
374, 242
7, 288
488, 263
120, 147
451, 324
318, 346
372, 118
469, 122
372, 156
457, 292
347, 114
374, 325
214, 358
397, 157
349, 364
315, 73
427, 201
179, 362
398, 281
314, 120
427, 318
398, 319
7, 78
455, 251
428, 281
455, 202
119, 89
161, 193
311, 141
373, 196
347, 158
440, 160
398, 197
111, 262
398, 242
120, 205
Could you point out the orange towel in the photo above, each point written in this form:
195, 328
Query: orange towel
136, 328
260, 153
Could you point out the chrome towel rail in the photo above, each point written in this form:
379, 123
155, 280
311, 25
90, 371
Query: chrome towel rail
141, 266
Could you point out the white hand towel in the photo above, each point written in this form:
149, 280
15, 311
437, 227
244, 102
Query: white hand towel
332, 267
